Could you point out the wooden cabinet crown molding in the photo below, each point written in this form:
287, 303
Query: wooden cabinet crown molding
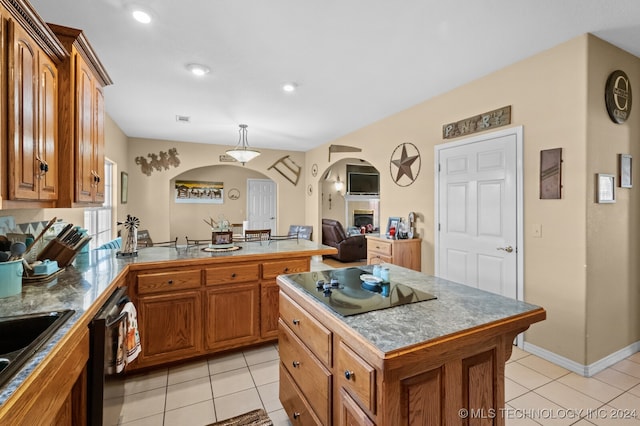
77, 38
29, 19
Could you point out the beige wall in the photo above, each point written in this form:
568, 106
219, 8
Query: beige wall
187, 219
613, 234
548, 94
150, 197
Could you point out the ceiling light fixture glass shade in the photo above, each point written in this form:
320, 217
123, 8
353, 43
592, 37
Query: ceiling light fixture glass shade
242, 153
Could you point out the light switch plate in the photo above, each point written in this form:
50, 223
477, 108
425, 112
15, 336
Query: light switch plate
537, 230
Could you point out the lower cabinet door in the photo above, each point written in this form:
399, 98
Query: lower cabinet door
269, 312
170, 326
350, 413
232, 316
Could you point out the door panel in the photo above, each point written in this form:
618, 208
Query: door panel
261, 209
478, 213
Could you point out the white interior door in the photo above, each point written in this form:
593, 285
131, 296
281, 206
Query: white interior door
478, 225
261, 204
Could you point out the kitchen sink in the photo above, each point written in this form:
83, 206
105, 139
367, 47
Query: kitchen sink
21, 336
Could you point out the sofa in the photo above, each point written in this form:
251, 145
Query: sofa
350, 248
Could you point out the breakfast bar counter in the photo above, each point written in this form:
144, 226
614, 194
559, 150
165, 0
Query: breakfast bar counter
87, 284
425, 362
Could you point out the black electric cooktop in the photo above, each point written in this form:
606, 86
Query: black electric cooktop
345, 292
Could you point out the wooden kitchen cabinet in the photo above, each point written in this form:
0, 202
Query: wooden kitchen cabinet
169, 306
81, 121
33, 54
232, 312
425, 383
406, 253
269, 292
186, 312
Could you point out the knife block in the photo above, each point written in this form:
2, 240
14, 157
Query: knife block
59, 252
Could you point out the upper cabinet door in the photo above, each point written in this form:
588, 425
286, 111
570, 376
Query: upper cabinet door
85, 159
47, 158
22, 111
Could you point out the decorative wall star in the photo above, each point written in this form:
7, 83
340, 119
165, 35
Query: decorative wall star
406, 160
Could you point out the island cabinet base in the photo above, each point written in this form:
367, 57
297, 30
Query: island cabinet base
449, 380
195, 309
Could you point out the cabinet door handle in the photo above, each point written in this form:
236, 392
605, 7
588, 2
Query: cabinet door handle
170, 282
296, 322
296, 415
233, 275
296, 364
286, 269
349, 374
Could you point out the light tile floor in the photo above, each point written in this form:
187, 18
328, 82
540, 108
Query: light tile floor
537, 392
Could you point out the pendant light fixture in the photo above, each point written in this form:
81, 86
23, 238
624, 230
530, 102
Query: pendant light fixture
242, 152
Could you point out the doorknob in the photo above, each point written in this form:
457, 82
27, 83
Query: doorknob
508, 249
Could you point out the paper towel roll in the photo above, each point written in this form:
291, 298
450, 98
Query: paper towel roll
245, 226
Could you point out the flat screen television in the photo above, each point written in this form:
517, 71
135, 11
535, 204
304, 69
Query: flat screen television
363, 183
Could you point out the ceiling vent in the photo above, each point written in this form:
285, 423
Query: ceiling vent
183, 119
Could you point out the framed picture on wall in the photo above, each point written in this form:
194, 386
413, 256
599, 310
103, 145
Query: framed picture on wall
624, 171
124, 187
605, 188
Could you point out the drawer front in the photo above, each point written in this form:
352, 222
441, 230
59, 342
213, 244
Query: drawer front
376, 259
281, 267
293, 402
380, 247
356, 376
313, 380
159, 282
232, 274
314, 335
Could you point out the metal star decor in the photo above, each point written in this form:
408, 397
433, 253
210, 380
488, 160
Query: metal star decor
406, 159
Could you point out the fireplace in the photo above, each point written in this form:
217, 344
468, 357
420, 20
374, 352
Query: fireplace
362, 218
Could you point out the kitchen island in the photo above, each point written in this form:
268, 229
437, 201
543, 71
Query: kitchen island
434, 362
52, 383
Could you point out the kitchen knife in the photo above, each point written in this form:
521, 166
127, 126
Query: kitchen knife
66, 229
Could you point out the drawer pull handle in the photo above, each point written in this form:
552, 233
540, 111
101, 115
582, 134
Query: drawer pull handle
296, 322
349, 374
170, 282
296, 364
296, 415
286, 269
233, 275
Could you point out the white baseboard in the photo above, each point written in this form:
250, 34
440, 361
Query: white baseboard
583, 370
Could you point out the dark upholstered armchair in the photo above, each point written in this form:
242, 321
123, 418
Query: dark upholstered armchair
349, 248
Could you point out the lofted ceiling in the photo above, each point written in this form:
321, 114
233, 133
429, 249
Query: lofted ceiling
354, 61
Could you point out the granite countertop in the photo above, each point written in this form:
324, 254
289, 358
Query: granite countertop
91, 274
457, 308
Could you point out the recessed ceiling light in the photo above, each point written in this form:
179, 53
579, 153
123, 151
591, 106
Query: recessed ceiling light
198, 69
141, 16
289, 87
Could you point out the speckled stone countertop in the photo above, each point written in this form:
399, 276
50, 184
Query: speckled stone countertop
91, 274
457, 308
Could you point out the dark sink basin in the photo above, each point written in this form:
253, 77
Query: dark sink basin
21, 336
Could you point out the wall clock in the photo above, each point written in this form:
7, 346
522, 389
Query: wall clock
617, 96
405, 164
233, 194
314, 170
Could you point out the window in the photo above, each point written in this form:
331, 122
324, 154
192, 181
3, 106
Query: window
98, 221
